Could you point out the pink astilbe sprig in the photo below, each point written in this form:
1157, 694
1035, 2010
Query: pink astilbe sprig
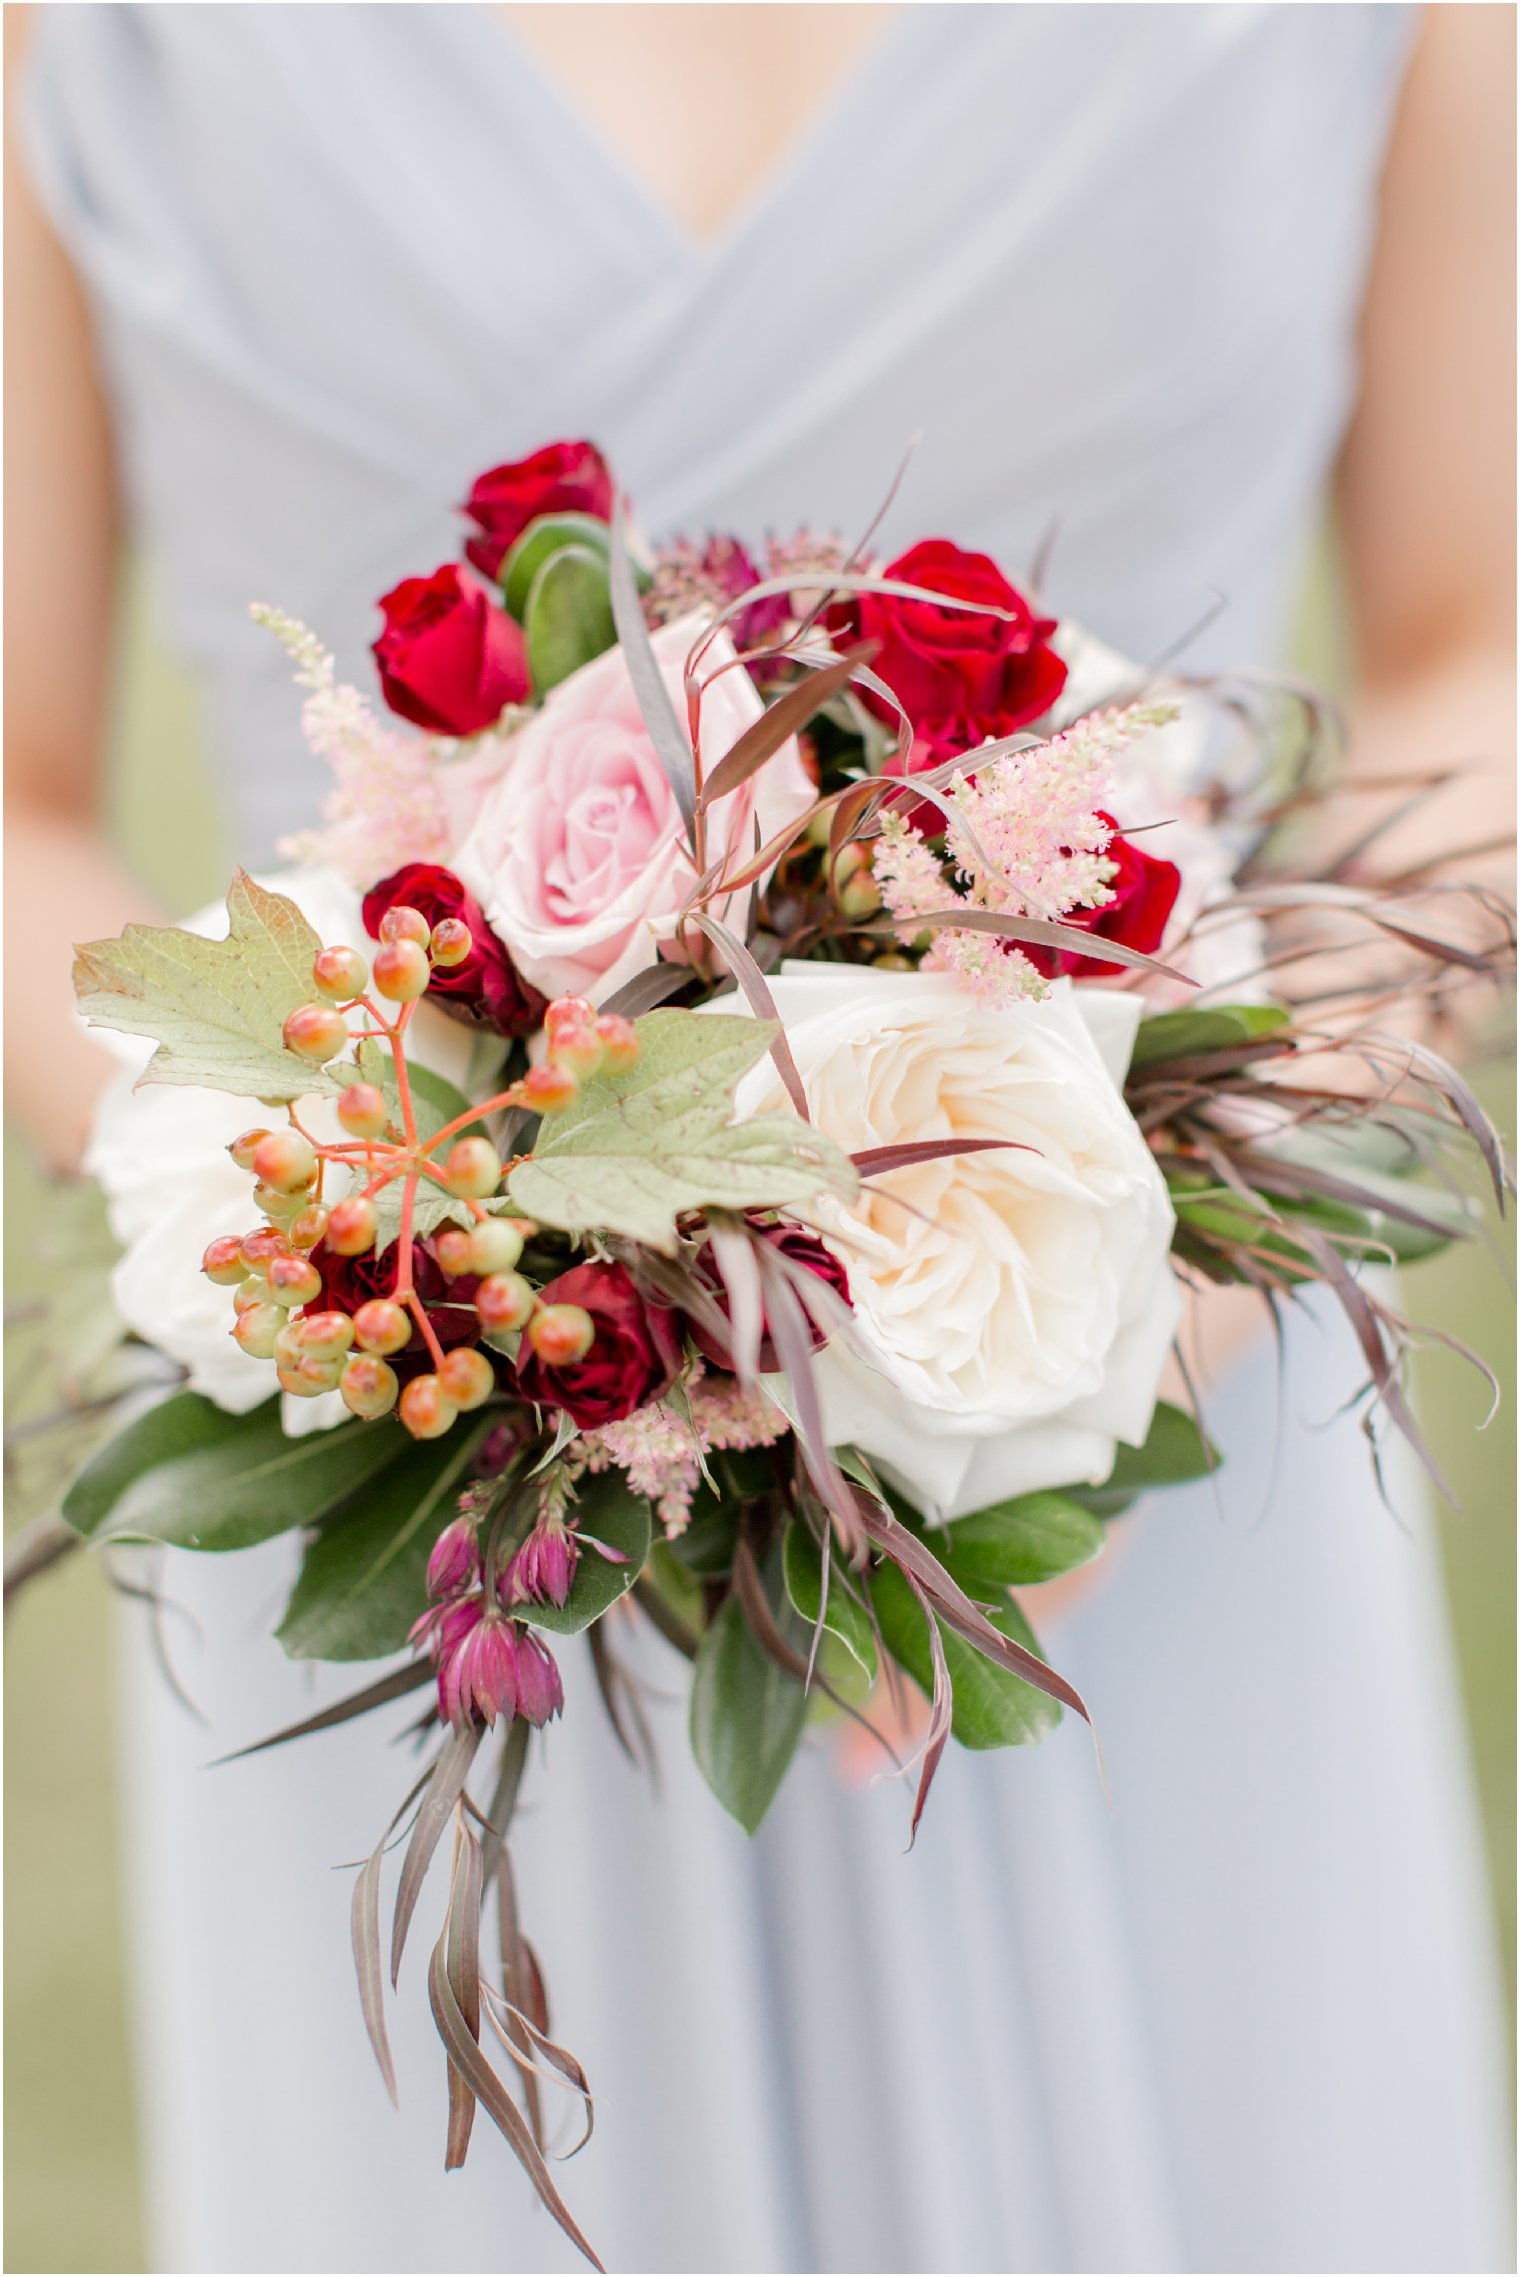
661, 1451
1027, 837
390, 804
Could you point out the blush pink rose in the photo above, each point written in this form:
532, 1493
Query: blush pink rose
578, 854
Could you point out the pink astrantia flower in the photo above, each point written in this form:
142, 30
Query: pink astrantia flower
545, 1565
454, 1565
578, 855
540, 1693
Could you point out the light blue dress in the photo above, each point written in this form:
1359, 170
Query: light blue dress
1108, 261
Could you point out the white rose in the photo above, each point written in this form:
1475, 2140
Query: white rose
160, 1154
578, 854
1023, 1308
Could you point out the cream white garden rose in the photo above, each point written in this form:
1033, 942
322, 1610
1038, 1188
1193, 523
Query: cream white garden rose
1022, 1309
160, 1154
578, 853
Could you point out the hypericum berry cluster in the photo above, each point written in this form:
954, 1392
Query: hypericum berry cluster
274, 1270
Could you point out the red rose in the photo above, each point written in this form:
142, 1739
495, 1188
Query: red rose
633, 1358
804, 1249
951, 663
450, 658
1144, 894
348, 1282
562, 478
487, 988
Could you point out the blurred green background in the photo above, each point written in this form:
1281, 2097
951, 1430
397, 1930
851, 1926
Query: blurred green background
72, 2199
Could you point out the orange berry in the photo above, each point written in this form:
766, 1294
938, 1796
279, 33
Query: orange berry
223, 1261
368, 1386
316, 1032
577, 1048
466, 1377
324, 1335
403, 924
258, 1247
256, 1330
352, 1226
339, 975
362, 1111
254, 1291
620, 1041
285, 1161
382, 1326
561, 1334
307, 1230
452, 941
472, 1169
309, 1378
246, 1146
452, 1250
549, 1089
426, 1408
293, 1280
402, 971
494, 1245
568, 1012
503, 1302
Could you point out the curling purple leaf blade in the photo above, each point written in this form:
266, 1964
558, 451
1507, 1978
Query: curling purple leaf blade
443, 1791
761, 1002
671, 742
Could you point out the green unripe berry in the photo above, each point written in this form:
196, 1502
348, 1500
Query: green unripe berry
281, 1209
293, 1280
452, 1250
547, 1090
246, 1146
466, 1377
324, 1335
402, 971
503, 1302
339, 975
255, 1290
494, 1246
223, 1261
473, 1169
315, 1032
257, 1328
860, 896
307, 1229
310, 1378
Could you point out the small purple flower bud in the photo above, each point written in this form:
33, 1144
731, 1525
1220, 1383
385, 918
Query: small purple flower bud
478, 1682
540, 1694
545, 1565
454, 1565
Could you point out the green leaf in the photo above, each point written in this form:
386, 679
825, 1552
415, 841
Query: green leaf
1175, 1451
844, 1618
543, 537
746, 1717
1013, 1544
989, 1706
190, 1474
364, 1580
636, 1149
568, 620
216, 1008
1179, 1035
605, 1508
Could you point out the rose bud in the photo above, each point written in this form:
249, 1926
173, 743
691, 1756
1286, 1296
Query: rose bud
633, 1357
450, 658
562, 478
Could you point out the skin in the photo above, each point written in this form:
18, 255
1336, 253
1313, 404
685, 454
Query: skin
1424, 490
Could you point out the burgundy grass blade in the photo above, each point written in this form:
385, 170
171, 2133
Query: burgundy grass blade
443, 1791
761, 1002
790, 712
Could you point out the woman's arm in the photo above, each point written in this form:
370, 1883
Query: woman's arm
1426, 485
62, 884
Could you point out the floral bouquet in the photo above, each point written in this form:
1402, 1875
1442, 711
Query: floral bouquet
714, 1133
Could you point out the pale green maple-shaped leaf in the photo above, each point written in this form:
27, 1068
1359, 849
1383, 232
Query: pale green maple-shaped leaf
216, 1009
638, 1148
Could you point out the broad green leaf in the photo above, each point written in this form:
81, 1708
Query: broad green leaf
989, 1706
1013, 1544
547, 535
636, 1149
568, 620
1179, 1035
746, 1717
705, 1546
605, 1508
364, 1580
216, 1008
1175, 1451
189, 1474
844, 1617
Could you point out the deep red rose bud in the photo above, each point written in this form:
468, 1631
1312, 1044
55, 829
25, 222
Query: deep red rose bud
1144, 891
450, 657
803, 1248
633, 1357
562, 478
484, 988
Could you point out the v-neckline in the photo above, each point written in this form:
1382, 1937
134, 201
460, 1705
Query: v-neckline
797, 162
